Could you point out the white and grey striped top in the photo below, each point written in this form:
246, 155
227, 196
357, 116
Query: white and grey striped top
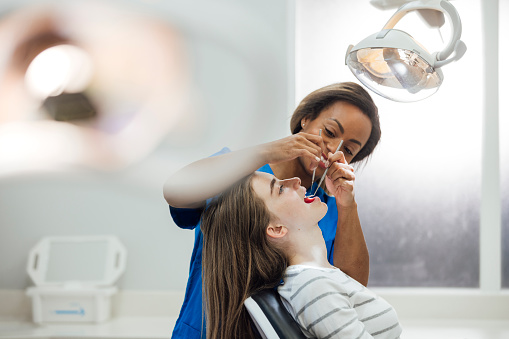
327, 303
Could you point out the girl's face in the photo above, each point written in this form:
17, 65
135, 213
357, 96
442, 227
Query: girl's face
285, 200
341, 121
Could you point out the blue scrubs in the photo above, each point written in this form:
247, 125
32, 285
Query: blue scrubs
190, 319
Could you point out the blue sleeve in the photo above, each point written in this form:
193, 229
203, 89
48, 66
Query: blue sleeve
188, 218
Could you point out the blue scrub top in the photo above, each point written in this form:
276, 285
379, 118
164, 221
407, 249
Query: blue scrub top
190, 319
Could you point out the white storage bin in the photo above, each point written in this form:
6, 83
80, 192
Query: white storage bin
51, 304
74, 278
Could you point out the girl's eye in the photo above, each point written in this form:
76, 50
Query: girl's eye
328, 132
281, 188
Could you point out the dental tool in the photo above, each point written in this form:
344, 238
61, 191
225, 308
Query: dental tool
324, 173
313, 178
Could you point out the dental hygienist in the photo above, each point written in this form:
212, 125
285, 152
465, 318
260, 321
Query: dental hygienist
342, 112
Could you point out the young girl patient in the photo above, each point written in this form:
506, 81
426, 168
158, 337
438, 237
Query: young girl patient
263, 230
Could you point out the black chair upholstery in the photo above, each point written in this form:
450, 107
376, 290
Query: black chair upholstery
273, 312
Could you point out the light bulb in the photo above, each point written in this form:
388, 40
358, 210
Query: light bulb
373, 61
58, 69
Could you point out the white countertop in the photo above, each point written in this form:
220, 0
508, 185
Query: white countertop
135, 315
456, 314
161, 327
116, 328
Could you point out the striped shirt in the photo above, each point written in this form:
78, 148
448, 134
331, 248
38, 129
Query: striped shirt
327, 303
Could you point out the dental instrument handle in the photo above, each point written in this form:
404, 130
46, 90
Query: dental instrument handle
327, 169
313, 178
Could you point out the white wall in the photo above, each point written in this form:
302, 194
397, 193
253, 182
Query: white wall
238, 52
428, 197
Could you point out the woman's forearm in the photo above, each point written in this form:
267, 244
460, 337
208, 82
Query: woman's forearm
205, 178
350, 250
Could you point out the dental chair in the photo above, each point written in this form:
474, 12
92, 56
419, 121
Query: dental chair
270, 317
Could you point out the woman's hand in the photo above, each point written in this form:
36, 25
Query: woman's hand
340, 179
294, 146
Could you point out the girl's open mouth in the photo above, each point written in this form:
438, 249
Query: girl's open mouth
309, 200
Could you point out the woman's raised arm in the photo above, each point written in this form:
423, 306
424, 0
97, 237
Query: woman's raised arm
192, 185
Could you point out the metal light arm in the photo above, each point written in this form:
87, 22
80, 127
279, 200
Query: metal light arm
454, 45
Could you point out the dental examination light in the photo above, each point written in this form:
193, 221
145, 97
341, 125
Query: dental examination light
394, 65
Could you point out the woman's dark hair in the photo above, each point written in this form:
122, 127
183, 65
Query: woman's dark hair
237, 260
314, 103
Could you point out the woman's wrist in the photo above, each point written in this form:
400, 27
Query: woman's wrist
351, 206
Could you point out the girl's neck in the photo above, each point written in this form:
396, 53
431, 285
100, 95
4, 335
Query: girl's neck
309, 249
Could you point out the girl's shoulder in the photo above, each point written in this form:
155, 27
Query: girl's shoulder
297, 276
303, 280
301, 274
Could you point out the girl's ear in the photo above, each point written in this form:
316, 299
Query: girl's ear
276, 231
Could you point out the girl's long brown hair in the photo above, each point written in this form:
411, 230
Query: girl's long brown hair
237, 259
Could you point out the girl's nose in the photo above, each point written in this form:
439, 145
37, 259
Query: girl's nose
292, 183
296, 182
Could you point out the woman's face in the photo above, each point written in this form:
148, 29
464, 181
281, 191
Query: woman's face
340, 121
285, 200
